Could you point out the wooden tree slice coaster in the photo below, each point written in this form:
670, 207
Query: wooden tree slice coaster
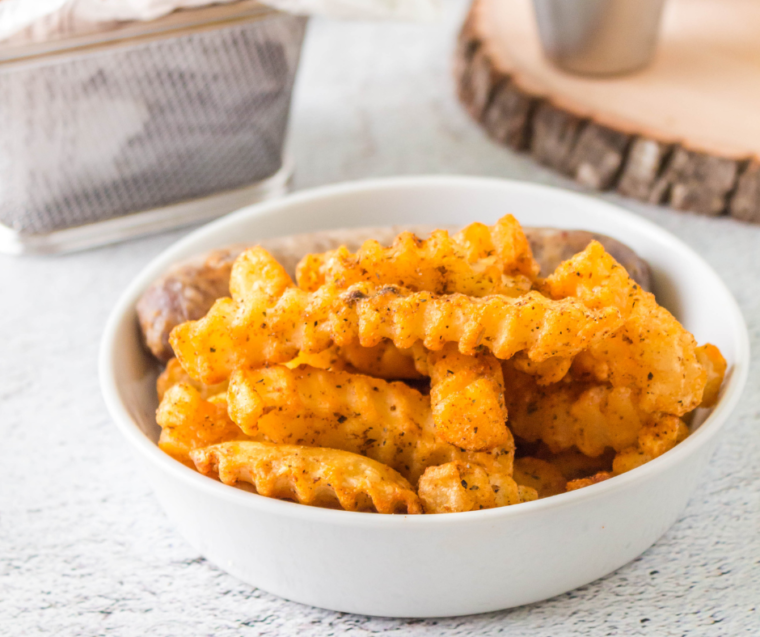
685, 131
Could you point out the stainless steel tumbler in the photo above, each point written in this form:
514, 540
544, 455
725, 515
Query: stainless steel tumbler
599, 37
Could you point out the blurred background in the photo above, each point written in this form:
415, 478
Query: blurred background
122, 127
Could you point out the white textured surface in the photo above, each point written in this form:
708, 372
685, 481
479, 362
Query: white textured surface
84, 547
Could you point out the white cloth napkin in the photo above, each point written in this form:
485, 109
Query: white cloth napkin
42, 19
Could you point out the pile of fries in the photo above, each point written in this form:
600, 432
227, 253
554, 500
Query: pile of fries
432, 376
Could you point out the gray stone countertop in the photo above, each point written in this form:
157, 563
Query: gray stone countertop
86, 550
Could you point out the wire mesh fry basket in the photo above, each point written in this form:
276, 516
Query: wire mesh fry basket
144, 127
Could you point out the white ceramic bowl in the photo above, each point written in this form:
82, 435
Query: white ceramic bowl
430, 566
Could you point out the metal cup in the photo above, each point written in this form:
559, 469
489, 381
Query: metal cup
599, 37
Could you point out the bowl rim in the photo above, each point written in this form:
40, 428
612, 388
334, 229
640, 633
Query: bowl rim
125, 308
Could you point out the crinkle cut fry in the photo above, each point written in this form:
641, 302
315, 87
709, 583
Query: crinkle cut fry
546, 372
384, 360
389, 422
429, 265
662, 434
505, 240
659, 435
214, 345
540, 475
189, 421
590, 417
310, 475
574, 464
502, 325
173, 374
262, 329
715, 366
467, 398
256, 270
601, 476
478, 261
456, 487
330, 358
651, 353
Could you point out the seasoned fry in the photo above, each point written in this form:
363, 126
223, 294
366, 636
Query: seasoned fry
574, 485
420, 357
389, 422
652, 353
540, 475
587, 416
257, 281
173, 374
384, 360
654, 439
502, 325
546, 372
456, 487
255, 270
505, 240
467, 398
715, 366
573, 464
188, 421
661, 435
263, 328
434, 265
309, 475
499, 324
331, 359
478, 261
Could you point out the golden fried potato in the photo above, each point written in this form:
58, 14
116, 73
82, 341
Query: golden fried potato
419, 354
505, 241
546, 372
255, 270
262, 328
574, 485
468, 263
189, 421
331, 358
714, 364
499, 324
309, 475
654, 439
571, 414
210, 348
467, 398
384, 360
456, 487
573, 464
207, 349
173, 374
389, 422
540, 475
526, 493
652, 353
662, 435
